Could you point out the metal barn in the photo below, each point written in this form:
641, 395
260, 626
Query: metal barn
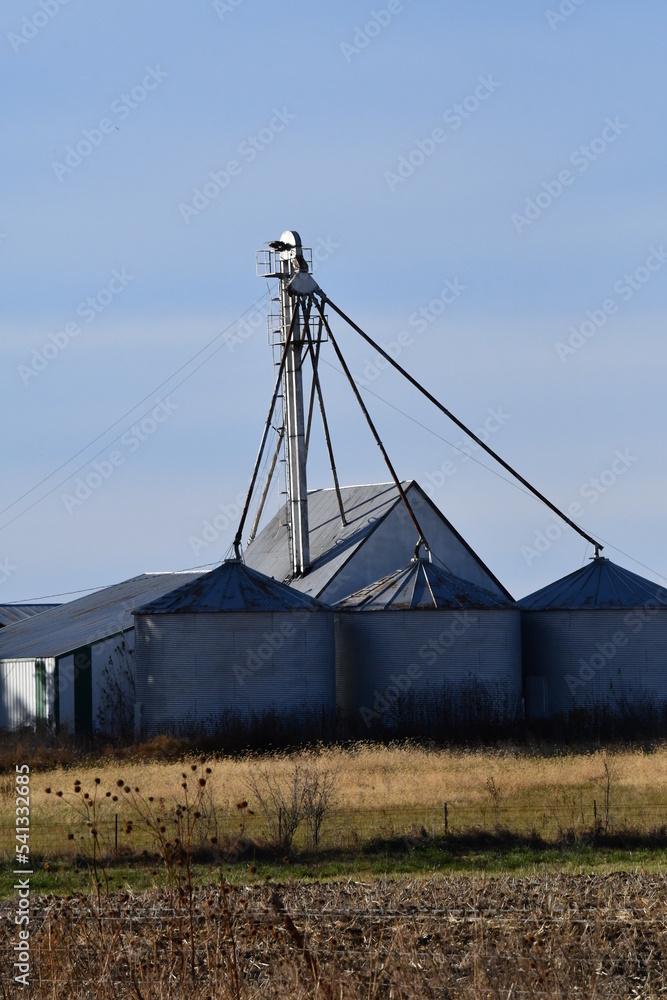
234, 640
597, 636
12, 613
421, 628
72, 666
376, 538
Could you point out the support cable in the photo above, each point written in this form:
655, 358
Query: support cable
267, 485
267, 427
325, 424
314, 359
421, 540
589, 538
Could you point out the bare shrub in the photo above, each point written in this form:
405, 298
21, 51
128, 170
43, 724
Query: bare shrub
118, 695
319, 799
496, 796
607, 779
287, 798
567, 812
39, 747
163, 747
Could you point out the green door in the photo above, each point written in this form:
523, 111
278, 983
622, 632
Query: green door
56, 696
40, 691
83, 691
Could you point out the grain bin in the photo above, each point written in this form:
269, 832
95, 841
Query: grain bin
595, 637
418, 632
236, 641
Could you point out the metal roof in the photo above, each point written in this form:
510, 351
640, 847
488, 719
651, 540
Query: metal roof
231, 587
601, 584
331, 542
11, 613
86, 620
421, 585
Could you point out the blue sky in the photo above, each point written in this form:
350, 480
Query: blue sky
515, 151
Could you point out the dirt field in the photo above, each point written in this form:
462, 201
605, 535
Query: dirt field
451, 936
552, 936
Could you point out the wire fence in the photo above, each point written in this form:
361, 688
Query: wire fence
449, 817
545, 935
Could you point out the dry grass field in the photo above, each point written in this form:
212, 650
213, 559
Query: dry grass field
554, 936
378, 791
376, 777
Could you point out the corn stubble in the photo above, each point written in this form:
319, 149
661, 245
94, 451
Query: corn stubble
556, 936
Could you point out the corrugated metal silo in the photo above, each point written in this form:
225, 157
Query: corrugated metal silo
597, 636
236, 640
418, 630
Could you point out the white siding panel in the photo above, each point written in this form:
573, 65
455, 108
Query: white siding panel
17, 686
18, 701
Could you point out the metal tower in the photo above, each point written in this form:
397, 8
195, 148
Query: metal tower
301, 298
286, 261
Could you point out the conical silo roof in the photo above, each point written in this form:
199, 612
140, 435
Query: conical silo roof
600, 585
233, 586
421, 585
